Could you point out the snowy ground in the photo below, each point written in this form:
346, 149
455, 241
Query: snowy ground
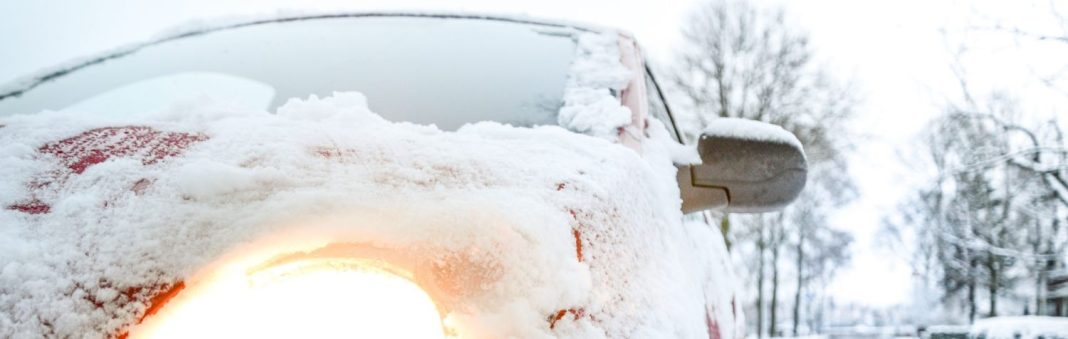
1022, 327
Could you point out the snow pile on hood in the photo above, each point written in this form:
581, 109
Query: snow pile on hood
1025, 327
525, 232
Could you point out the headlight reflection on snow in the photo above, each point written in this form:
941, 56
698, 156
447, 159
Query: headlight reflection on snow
310, 298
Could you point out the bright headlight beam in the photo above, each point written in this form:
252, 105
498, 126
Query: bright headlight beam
317, 299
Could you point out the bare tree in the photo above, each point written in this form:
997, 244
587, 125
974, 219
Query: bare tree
966, 220
777, 235
818, 251
992, 218
995, 173
743, 61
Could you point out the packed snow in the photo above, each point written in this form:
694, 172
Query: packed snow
544, 232
589, 104
1021, 327
751, 130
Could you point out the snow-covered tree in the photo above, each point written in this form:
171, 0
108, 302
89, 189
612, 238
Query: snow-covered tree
992, 217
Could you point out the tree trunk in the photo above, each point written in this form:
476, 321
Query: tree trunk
993, 286
1040, 306
1041, 279
773, 322
800, 279
971, 290
725, 229
761, 246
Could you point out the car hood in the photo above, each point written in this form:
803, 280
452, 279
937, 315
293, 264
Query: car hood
546, 232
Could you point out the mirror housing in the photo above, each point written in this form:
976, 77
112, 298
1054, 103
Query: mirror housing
746, 167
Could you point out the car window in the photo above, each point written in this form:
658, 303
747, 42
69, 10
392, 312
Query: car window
155, 93
443, 71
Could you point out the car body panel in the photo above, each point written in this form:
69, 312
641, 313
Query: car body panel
584, 210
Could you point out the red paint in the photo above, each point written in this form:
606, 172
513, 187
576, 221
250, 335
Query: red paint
326, 152
94, 157
78, 153
634, 94
333, 152
578, 243
95, 146
577, 234
556, 317
157, 301
575, 312
578, 313
713, 327
154, 303
33, 207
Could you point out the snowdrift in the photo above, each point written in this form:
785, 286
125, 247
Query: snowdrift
1024, 327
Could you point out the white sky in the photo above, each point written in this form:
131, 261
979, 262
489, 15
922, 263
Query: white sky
895, 53
893, 49
899, 55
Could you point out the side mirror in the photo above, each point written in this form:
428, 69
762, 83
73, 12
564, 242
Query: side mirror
747, 167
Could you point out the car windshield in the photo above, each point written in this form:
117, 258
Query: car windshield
428, 70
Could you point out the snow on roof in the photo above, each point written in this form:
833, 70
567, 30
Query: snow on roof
548, 232
1021, 327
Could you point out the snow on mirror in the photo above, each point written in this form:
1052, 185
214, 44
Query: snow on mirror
746, 167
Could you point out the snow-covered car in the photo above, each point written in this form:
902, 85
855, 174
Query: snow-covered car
372, 175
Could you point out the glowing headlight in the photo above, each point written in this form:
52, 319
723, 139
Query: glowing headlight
313, 298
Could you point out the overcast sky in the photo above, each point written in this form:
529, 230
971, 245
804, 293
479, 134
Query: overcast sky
892, 49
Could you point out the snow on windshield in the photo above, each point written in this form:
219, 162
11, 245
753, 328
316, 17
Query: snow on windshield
566, 235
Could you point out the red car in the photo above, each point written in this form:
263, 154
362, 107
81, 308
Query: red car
372, 175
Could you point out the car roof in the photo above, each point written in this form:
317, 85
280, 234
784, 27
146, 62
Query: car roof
26, 83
